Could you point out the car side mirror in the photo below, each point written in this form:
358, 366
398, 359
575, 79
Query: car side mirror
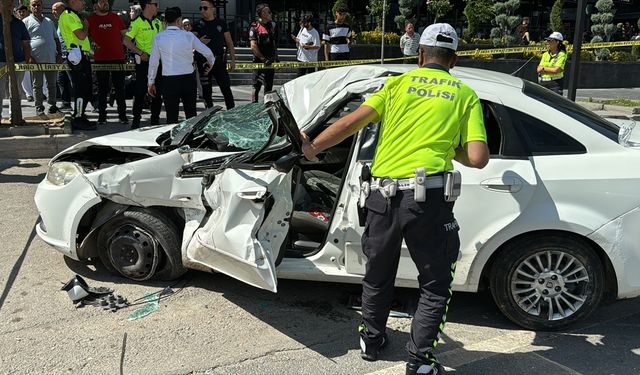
285, 163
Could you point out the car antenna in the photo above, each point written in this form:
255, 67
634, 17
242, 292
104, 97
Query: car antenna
523, 65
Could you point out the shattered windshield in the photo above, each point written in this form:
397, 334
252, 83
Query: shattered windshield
245, 127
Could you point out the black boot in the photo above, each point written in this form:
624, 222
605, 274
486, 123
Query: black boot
415, 368
371, 351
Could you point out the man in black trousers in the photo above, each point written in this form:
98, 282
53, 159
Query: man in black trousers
142, 30
174, 48
214, 32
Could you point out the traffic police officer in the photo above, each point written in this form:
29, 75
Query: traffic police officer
75, 33
143, 29
428, 118
551, 67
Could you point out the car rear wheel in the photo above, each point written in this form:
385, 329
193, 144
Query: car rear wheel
546, 283
141, 244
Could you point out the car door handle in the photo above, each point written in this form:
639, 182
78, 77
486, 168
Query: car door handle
253, 193
503, 185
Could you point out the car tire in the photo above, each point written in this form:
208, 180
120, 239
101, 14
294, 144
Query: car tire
546, 283
141, 244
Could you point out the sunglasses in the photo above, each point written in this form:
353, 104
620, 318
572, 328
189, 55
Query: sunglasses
204, 8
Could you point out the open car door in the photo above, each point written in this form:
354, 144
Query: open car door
251, 205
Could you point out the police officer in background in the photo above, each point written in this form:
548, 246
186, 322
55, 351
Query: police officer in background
174, 47
143, 29
263, 35
75, 32
215, 34
428, 118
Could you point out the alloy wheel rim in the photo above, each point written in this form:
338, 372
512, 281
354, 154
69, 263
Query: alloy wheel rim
552, 285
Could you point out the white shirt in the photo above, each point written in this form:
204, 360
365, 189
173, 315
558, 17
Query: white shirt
310, 38
175, 47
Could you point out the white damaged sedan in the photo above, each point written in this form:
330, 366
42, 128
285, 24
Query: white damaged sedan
550, 226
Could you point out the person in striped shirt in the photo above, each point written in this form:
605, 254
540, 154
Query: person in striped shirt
337, 36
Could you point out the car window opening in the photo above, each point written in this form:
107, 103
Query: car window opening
571, 109
316, 189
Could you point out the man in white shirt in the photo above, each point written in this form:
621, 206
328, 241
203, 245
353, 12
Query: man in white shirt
308, 42
174, 47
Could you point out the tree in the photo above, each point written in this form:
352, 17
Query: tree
406, 13
16, 108
477, 13
375, 10
438, 8
555, 20
505, 22
603, 27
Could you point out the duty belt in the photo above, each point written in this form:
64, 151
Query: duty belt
548, 79
431, 182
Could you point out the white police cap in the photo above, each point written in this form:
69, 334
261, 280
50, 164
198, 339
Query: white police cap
440, 35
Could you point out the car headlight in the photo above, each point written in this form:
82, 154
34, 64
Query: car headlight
62, 173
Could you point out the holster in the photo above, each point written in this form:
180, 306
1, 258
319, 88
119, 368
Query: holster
365, 189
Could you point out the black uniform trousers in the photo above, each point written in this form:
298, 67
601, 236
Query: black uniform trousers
117, 80
142, 70
262, 77
553, 85
81, 83
431, 234
179, 88
221, 75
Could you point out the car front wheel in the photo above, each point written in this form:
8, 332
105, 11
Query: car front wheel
546, 283
141, 244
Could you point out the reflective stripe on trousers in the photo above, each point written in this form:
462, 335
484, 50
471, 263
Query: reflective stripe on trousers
431, 233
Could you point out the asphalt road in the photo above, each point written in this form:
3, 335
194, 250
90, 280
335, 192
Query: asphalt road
214, 324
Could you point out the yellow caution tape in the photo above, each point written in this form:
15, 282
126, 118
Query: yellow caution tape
500, 51
323, 64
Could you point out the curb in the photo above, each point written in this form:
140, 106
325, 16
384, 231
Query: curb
38, 141
610, 107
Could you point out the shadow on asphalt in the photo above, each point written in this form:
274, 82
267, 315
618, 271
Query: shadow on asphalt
18, 178
13, 274
316, 315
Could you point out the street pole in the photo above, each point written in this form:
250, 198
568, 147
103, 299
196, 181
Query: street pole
14, 97
384, 15
575, 54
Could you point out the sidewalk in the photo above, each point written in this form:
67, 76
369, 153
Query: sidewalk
45, 142
37, 141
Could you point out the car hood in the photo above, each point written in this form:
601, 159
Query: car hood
133, 139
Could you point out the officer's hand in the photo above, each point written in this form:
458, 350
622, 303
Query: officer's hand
233, 65
152, 90
308, 149
204, 39
207, 69
144, 56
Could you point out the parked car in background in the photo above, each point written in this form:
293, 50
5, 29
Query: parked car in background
549, 226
